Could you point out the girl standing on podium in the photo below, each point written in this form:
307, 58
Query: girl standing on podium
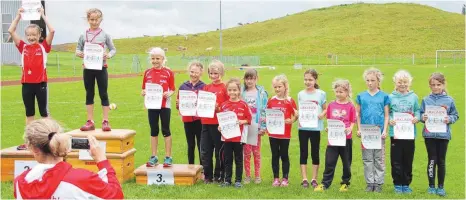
159, 74
95, 35
34, 72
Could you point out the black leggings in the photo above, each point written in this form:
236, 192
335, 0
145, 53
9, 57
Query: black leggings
164, 115
279, 148
101, 76
304, 137
233, 150
32, 91
436, 153
193, 136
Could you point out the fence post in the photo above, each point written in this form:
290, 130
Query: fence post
74, 65
336, 59
413, 58
58, 63
360, 62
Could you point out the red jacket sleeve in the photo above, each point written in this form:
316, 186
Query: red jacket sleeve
46, 46
171, 81
96, 186
144, 80
248, 114
20, 46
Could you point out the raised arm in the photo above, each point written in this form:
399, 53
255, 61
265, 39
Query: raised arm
51, 33
12, 30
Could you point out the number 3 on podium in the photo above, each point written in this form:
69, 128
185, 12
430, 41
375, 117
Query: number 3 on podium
160, 177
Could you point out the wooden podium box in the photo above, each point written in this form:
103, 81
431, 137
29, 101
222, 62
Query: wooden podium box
184, 174
8, 158
122, 163
117, 140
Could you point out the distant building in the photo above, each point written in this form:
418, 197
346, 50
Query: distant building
464, 9
10, 54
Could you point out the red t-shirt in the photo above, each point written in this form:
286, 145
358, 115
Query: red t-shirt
242, 111
164, 77
34, 58
220, 90
288, 107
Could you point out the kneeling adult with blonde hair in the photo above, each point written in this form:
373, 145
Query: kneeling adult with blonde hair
53, 178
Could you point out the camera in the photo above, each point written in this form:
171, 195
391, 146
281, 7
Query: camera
79, 143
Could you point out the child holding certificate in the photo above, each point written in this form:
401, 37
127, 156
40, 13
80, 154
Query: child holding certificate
256, 97
402, 100
372, 107
311, 134
192, 124
211, 143
438, 112
34, 71
97, 38
232, 146
164, 78
280, 142
341, 109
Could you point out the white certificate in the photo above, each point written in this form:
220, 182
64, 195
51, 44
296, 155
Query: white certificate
206, 104
228, 123
336, 133
250, 134
275, 120
93, 56
435, 119
187, 103
31, 9
154, 96
404, 128
371, 137
308, 114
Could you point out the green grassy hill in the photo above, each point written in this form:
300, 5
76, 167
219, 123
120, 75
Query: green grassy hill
355, 29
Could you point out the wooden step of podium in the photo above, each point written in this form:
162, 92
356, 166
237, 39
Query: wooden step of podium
184, 174
122, 163
117, 140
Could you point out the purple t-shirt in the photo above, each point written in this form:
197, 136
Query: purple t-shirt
343, 112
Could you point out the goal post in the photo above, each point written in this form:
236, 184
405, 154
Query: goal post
454, 55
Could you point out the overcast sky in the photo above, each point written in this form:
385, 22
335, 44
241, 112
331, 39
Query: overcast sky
124, 19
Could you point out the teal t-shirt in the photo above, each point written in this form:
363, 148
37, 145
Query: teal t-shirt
372, 108
320, 98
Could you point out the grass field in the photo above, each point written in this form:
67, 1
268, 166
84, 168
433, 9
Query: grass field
67, 106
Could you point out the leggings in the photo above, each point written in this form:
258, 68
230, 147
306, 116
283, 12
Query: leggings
279, 148
304, 137
436, 153
90, 76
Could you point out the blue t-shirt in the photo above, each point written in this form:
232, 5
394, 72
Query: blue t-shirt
372, 108
320, 98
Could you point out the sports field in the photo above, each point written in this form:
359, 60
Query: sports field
67, 106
